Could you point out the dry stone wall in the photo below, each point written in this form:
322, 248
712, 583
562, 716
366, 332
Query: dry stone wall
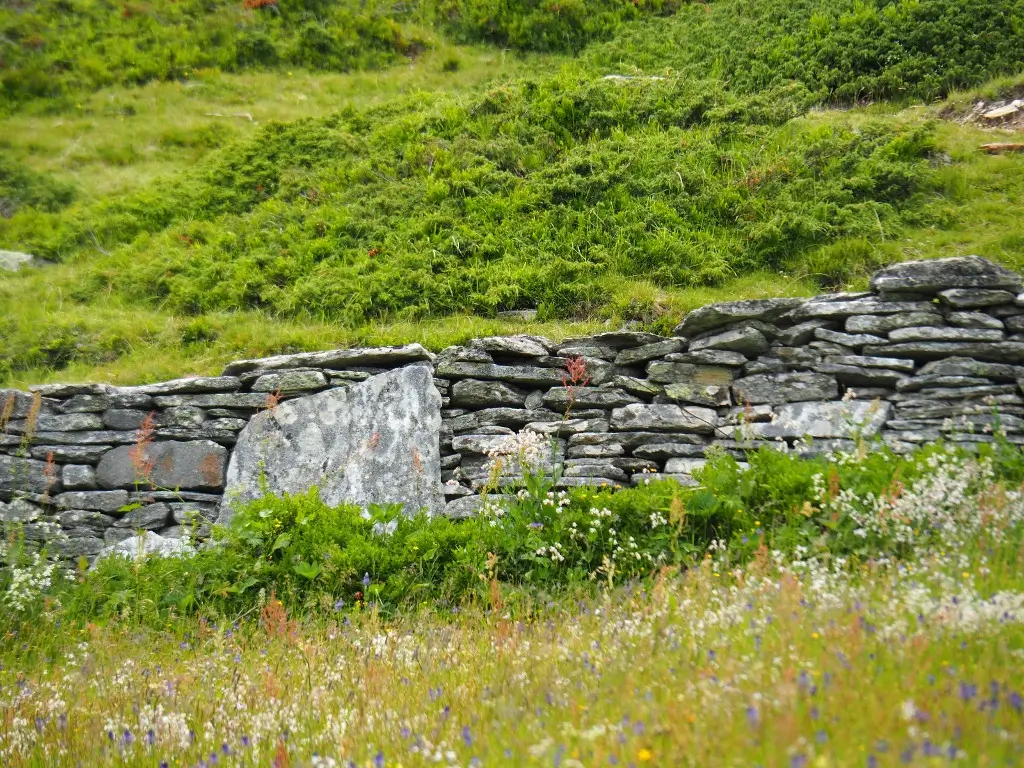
934, 349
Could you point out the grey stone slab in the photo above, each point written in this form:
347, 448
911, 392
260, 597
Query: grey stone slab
965, 366
247, 400
290, 381
197, 465
1000, 352
975, 320
20, 511
971, 298
642, 354
475, 393
801, 333
945, 334
635, 386
714, 357
647, 479
70, 390
149, 517
74, 548
935, 275
667, 450
376, 442
658, 418
958, 392
515, 346
208, 431
100, 403
339, 358
90, 521
853, 340
922, 380
560, 398
747, 341
778, 388
588, 349
818, 420
764, 364
78, 477
1013, 324
868, 306
72, 454
184, 513
189, 385
524, 375
602, 470
567, 427
57, 422
621, 339
718, 315
595, 451
123, 418
102, 501
146, 544
696, 376
503, 417
190, 416
860, 376
710, 395
880, 325
867, 361
17, 404
633, 439
26, 476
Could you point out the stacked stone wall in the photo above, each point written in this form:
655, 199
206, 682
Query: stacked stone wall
934, 350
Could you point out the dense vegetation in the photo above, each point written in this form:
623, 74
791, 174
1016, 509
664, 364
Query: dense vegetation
685, 153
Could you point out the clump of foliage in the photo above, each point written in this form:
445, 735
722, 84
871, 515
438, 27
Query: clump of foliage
55, 47
843, 51
536, 194
532, 540
22, 188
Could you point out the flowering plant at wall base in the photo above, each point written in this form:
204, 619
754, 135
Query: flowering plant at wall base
858, 506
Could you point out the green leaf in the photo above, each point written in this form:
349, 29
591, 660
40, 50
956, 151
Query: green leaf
307, 571
281, 542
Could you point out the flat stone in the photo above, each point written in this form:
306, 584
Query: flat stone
150, 517
467, 506
642, 354
711, 395
600, 469
184, 416
596, 451
981, 320
100, 403
852, 340
868, 361
375, 442
820, 420
150, 496
74, 454
147, 544
746, 341
764, 364
778, 388
945, 334
922, 380
19, 511
15, 403
801, 333
339, 358
25, 476
477, 444
636, 386
1002, 352
860, 376
247, 400
561, 398
969, 298
74, 548
62, 391
880, 325
123, 418
868, 306
517, 374
486, 394
716, 357
667, 450
588, 349
696, 376
933, 275
567, 426
102, 501
515, 346
503, 417
58, 422
197, 465
186, 514
632, 439
747, 413
88, 521
78, 477
965, 366
684, 466
959, 393
116, 535
664, 418
290, 381
718, 315
656, 477
621, 339
189, 385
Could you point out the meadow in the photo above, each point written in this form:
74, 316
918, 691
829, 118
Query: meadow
856, 609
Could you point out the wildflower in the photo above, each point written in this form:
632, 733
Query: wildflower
366, 579
644, 755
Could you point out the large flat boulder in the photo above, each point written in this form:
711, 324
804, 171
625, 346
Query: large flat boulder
376, 442
19, 475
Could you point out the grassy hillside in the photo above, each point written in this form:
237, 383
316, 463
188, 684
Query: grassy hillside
705, 167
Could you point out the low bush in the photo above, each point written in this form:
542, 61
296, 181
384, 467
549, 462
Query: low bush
21, 188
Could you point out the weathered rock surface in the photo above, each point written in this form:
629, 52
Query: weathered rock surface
372, 443
196, 466
939, 274
146, 544
338, 358
486, 394
659, 418
717, 315
12, 261
778, 388
21, 475
819, 420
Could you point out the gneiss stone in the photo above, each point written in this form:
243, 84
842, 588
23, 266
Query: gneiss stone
249, 400
108, 437
339, 358
968, 298
712, 395
945, 334
802, 332
1013, 324
504, 417
486, 394
935, 275
922, 380
777, 388
882, 324
85, 522
74, 548
525, 375
151, 517
696, 376
100, 403
860, 376
373, 443
515, 346
78, 477
718, 315
746, 341
621, 339
188, 385
595, 451
867, 361
15, 403
979, 320
666, 450
587, 397
57, 422
123, 418
633, 439
648, 352
197, 465
854, 340
664, 418
290, 381
26, 476
19, 511
71, 454
714, 357
1001, 351
102, 501
146, 544
819, 420
567, 427
635, 386
965, 366
185, 416
869, 306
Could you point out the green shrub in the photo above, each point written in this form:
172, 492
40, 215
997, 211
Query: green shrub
21, 188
